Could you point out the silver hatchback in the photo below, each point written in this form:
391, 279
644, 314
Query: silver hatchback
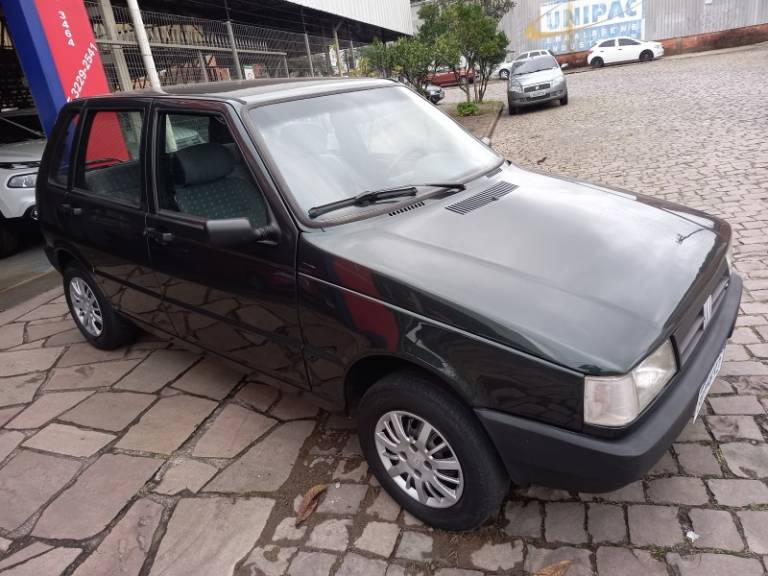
534, 81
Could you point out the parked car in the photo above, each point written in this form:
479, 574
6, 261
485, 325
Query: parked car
623, 49
487, 324
445, 76
435, 93
503, 70
21, 149
536, 81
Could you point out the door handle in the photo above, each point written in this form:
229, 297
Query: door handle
158, 236
71, 210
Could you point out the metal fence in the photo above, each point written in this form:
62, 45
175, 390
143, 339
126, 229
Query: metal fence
189, 50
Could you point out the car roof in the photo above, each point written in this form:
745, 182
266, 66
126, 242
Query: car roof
260, 90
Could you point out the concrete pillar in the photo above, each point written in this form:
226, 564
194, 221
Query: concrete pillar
121, 66
235, 55
309, 55
143, 42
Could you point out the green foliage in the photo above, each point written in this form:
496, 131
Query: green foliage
413, 59
467, 109
379, 57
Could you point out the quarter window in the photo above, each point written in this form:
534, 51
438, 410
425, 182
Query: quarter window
111, 166
62, 155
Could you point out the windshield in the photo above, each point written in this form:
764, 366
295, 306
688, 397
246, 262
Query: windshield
535, 65
19, 127
333, 147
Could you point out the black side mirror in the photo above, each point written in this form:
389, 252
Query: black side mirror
237, 231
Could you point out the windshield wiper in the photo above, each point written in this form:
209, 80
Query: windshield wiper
372, 196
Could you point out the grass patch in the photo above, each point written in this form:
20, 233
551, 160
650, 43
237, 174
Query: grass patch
463, 109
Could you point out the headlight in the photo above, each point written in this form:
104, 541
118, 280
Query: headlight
23, 181
516, 87
618, 400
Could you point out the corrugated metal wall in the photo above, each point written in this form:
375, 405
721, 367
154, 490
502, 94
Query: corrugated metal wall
389, 14
674, 18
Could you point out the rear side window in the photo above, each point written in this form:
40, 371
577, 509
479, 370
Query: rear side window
111, 164
608, 44
61, 160
627, 42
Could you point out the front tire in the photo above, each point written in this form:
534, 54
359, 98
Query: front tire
564, 100
511, 109
646, 56
94, 316
430, 452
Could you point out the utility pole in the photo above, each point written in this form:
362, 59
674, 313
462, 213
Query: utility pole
143, 42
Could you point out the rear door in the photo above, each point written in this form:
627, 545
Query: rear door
104, 212
239, 302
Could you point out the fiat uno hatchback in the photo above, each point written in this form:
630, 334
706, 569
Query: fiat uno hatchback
487, 324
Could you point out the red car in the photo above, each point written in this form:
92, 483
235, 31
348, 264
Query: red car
445, 77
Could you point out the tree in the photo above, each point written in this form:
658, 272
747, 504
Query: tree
379, 57
413, 59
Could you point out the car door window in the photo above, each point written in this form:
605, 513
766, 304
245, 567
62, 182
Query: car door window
111, 165
627, 42
62, 153
201, 171
608, 44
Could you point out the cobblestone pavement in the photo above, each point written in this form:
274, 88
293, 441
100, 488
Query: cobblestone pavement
153, 460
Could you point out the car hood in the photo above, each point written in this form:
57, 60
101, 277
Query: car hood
588, 278
21, 152
538, 77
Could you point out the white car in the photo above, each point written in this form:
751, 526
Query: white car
19, 160
623, 49
503, 70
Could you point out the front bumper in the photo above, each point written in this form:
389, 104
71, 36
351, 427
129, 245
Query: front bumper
16, 202
537, 453
520, 100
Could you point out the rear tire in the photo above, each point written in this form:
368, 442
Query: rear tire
454, 452
597, 62
646, 56
511, 109
564, 100
94, 316
9, 239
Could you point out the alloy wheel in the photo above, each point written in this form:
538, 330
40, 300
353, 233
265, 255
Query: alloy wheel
419, 459
86, 306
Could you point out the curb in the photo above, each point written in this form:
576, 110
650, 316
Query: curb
492, 129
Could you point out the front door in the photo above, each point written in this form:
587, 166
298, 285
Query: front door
239, 302
629, 49
105, 210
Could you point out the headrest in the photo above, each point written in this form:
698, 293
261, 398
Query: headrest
201, 163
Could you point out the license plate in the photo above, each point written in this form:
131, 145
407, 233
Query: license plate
537, 93
708, 384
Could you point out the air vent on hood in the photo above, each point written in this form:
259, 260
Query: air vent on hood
493, 173
406, 208
482, 198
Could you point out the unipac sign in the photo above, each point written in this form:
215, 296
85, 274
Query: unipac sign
575, 25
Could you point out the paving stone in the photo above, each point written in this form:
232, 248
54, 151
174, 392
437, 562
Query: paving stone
99, 375
330, 535
45, 408
694, 432
287, 530
538, 558
185, 475
311, 564
86, 354
714, 565
524, 519
38, 331
6, 414
73, 336
738, 493
734, 427
746, 460
498, 557
28, 481
378, 538
5, 544
350, 471
167, 425
8, 443
340, 421
739, 404
654, 525
19, 389
352, 448
605, 523
716, 529
678, 490
415, 546
564, 522
25, 361
266, 466
207, 536
11, 335
69, 440
544, 493
457, 572
267, 560
665, 465
34, 549
698, 460
748, 368
258, 396
294, 407
111, 411
384, 507
231, 432
755, 524
51, 563
343, 500
623, 562
45, 311
102, 490
356, 565
158, 369
397, 570
125, 548
210, 378
630, 493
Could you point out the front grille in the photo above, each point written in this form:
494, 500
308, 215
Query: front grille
534, 98
534, 88
688, 338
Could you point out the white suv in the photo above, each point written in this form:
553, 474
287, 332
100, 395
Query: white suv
503, 70
21, 149
623, 49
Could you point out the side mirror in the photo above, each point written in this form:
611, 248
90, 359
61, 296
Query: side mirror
237, 231
485, 140
564, 66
